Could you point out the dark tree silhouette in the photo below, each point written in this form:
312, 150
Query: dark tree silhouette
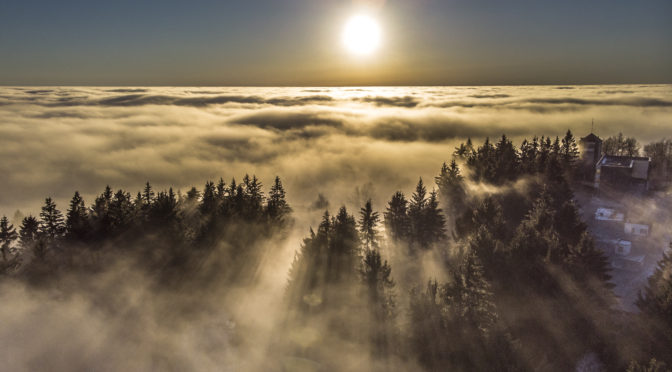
506, 162
377, 278
193, 195
221, 189
621, 146
416, 214
368, 222
655, 303
7, 237
434, 222
209, 200
397, 224
148, 194
28, 233
451, 188
464, 150
52, 226
569, 151
277, 207
77, 219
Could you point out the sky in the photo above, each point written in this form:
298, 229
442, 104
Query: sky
298, 42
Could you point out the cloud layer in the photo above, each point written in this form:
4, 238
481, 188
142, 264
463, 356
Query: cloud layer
328, 141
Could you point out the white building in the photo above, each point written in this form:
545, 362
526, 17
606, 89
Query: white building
636, 229
607, 214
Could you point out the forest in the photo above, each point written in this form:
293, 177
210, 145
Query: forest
488, 267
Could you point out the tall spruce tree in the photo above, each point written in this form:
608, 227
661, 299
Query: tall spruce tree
276, 205
434, 222
397, 223
121, 211
148, 194
221, 189
506, 162
469, 296
416, 214
569, 152
77, 219
368, 222
7, 236
52, 226
209, 200
451, 187
28, 232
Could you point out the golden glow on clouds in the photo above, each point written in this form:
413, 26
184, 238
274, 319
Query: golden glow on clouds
361, 35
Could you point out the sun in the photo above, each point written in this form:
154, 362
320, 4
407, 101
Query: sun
361, 35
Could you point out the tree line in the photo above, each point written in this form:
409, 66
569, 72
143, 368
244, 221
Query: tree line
164, 231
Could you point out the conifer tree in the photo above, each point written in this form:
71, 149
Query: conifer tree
506, 162
368, 221
397, 224
488, 250
655, 303
253, 192
121, 211
556, 148
100, 217
379, 285
464, 150
434, 222
138, 204
569, 151
469, 296
568, 223
148, 194
28, 232
193, 195
221, 189
587, 262
277, 207
52, 226
488, 213
528, 156
451, 187
7, 236
344, 251
77, 219
656, 300
232, 188
535, 244
209, 200
483, 163
416, 213
164, 209
543, 154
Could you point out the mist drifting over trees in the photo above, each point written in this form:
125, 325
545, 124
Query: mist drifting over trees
488, 266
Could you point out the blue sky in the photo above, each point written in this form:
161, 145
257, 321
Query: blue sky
296, 42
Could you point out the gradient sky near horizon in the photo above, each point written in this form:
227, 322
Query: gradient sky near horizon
297, 42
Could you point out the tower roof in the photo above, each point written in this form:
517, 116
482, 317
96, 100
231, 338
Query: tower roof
591, 138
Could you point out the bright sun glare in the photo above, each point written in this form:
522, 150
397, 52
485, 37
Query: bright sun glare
361, 35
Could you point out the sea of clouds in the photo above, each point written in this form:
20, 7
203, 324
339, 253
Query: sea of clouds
329, 145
